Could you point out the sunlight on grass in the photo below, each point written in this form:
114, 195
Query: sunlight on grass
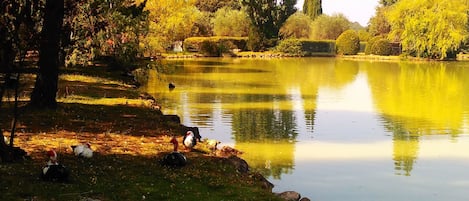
89, 79
104, 101
103, 144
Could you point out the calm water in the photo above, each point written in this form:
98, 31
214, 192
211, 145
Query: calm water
332, 129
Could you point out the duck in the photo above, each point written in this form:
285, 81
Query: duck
53, 170
83, 150
212, 144
189, 140
175, 158
171, 86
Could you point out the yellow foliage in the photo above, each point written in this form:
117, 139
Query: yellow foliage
170, 20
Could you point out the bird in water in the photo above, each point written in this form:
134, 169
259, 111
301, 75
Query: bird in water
189, 140
83, 150
175, 158
171, 86
53, 170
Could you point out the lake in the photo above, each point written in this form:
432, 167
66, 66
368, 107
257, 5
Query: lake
332, 129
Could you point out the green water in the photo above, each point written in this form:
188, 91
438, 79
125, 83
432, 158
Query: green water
332, 129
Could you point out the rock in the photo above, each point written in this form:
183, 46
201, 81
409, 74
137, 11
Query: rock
305, 199
227, 151
266, 184
172, 119
240, 164
290, 196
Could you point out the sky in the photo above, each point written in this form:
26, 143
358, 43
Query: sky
355, 10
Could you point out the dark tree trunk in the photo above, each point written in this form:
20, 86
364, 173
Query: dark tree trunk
45, 89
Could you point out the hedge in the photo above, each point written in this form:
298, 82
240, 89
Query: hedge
214, 46
302, 47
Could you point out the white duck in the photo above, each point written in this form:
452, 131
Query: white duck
83, 150
189, 140
53, 171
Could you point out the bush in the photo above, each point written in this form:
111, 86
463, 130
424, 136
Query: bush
324, 46
212, 45
348, 43
305, 47
369, 44
291, 46
381, 47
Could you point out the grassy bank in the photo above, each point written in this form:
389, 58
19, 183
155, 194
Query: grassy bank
129, 138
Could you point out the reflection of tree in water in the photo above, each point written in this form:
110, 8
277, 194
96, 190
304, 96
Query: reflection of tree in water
406, 146
259, 132
417, 99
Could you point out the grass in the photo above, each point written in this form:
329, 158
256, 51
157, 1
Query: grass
129, 139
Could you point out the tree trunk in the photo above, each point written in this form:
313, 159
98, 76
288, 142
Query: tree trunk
45, 88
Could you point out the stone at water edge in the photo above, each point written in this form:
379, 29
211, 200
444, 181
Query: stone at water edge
289, 196
305, 199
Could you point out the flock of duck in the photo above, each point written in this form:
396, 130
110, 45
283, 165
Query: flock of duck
55, 171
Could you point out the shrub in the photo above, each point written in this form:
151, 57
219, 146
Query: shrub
381, 47
209, 48
291, 46
348, 43
369, 44
214, 46
322, 46
305, 47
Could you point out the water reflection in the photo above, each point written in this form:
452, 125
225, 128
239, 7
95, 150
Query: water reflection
289, 114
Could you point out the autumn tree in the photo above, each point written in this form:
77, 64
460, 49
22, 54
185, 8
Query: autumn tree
169, 21
213, 6
100, 28
267, 16
229, 22
312, 8
297, 25
378, 24
429, 28
327, 27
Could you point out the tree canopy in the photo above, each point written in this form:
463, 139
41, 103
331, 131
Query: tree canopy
429, 28
230, 22
312, 8
169, 21
327, 27
267, 16
297, 25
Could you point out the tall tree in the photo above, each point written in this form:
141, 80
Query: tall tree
378, 24
267, 16
230, 22
297, 25
429, 28
327, 27
312, 8
45, 88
